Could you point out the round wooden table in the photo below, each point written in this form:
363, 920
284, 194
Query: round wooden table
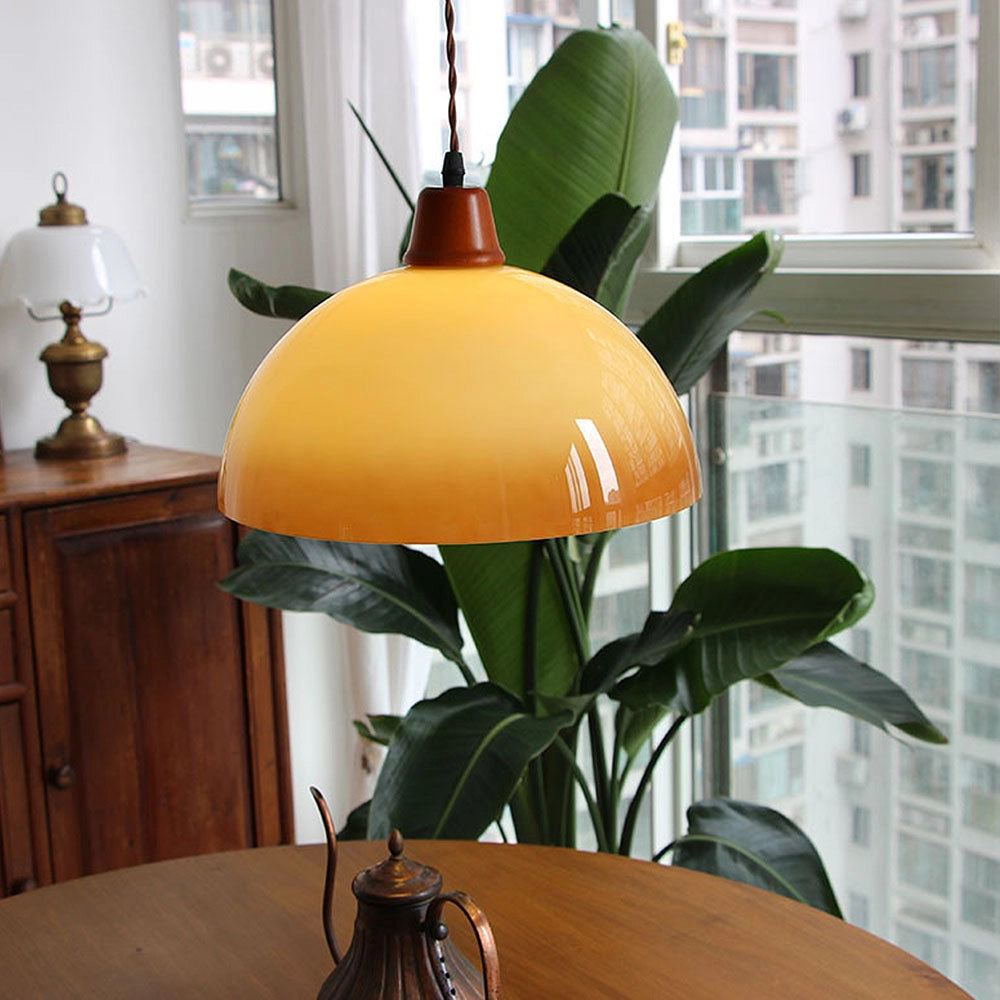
568, 925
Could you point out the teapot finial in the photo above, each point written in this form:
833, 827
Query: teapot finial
395, 843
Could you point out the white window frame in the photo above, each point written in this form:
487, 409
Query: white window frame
918, 286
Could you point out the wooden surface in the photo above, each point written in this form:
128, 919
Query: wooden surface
568, 925
122, 661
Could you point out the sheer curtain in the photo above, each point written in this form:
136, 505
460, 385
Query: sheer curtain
357, 52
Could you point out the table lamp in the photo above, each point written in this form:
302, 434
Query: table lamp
66, 269
456, 400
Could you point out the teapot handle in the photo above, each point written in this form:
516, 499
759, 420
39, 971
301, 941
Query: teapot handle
484, 937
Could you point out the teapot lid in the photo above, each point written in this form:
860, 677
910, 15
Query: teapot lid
397, 881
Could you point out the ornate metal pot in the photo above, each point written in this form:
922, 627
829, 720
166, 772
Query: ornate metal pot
400, 949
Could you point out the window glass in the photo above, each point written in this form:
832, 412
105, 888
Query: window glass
822, 93
228, 97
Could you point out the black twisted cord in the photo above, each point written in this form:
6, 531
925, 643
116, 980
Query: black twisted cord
454, 169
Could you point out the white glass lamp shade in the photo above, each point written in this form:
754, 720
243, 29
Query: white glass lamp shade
84, 265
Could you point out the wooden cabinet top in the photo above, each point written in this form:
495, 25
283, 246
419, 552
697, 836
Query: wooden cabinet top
28, 482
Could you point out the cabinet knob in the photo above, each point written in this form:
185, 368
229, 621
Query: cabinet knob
23, 885
63, 776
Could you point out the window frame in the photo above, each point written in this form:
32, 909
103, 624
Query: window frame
920, 286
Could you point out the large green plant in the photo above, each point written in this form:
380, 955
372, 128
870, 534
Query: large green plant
576, 172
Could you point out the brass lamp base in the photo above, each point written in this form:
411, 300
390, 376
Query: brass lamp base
75, 374
80, 436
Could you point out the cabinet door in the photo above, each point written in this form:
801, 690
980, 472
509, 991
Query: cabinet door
146, 728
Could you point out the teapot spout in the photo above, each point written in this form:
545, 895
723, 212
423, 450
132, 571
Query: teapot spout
331, 873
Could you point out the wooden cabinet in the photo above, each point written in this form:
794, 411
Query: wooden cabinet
142, 710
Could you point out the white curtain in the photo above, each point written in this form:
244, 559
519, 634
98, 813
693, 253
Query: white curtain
358, 52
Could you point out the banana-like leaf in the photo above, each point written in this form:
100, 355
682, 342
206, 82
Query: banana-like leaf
356, 827
597, 118
637, 727
756, 845
378, 729
283, 302
623, 266
583, 254
689, 329
827, 677
759, 609
492, 585
663, 633
455, 762
376, 588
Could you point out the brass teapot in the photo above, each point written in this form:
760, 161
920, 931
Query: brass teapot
400, 949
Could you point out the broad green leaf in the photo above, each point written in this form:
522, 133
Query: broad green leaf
455, 762
638, 727
619, 275
759, 608
583, 254
379, 728
283, 302
756, 845
376, 588
663, 633
356, 827
687, 331
597, 118
826, 676
492, 584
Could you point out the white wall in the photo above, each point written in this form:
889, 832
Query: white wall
91, 88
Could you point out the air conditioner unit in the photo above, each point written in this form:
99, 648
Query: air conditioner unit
853, 119
853, 10
225, 59
263, 59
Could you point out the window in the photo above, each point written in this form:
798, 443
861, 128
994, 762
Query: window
925, 772
984, 386
861, 553
928, 947
766, 82
981, 704
857, 909
980, 795
861, 368
861, 169
980, 973
982, 599
861, 465
774, 490
703, 83
228, 96
982, 503
926, 676
924, 864
861, 826
861, 74
769, 187
928, 383
925, 487
928, 182
861, 738
924, 582
928, 77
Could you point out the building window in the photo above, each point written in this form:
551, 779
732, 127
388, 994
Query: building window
780, 378
924, 864
861, 465
861, 74
925, 487
861, 826
928, 182
928, 383
982, 601
861, 553
766, 82
703, 83
774, 490
982, 503
861, 738
981, 705
925, 583
922, 536
861, 169
928, 77
984, 386
980, 973
857, 909
861, 644
769, 187
926, 676
925, 772
861, 367
229, 101
981, 795
929, 948
771, 776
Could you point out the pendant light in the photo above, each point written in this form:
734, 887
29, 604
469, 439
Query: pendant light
456, 400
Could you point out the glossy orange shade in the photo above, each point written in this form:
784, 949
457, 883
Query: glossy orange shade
454, 405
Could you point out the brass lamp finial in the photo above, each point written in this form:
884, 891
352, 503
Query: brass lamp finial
61, 212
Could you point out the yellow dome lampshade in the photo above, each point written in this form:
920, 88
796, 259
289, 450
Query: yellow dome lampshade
456, 400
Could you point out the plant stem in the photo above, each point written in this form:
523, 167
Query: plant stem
531, 626
593, 566
538, 791
465, 670
570, 595
628, 830
602, 781
595, 816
